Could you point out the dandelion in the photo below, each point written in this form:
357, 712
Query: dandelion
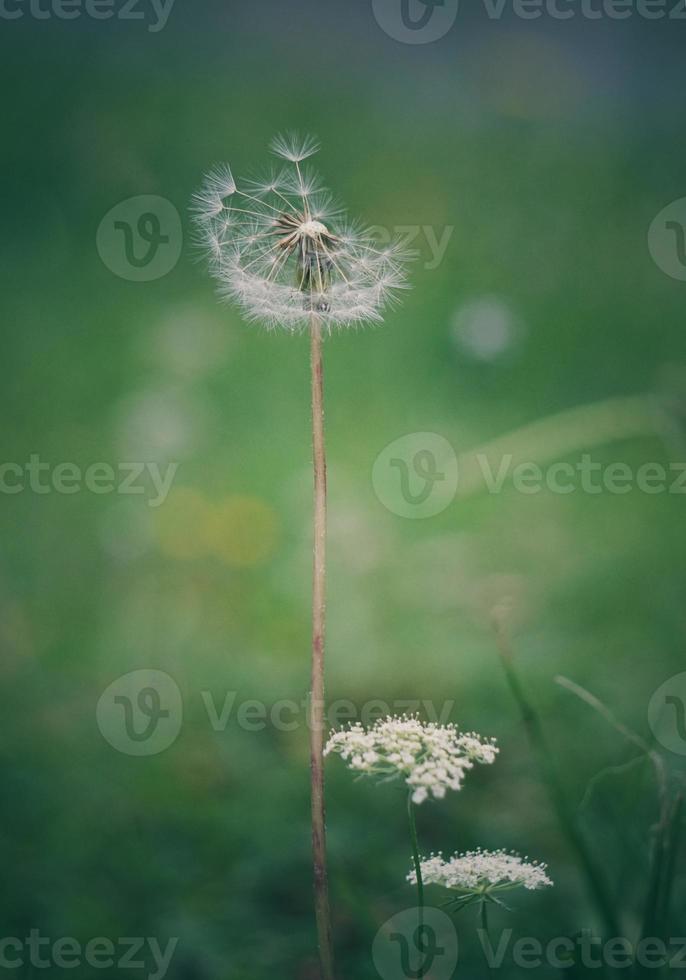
429, 758
282, 250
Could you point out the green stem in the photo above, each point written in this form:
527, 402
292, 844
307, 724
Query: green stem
415, 856
672, 854
418, 871
558, 797
659, 874
483, 917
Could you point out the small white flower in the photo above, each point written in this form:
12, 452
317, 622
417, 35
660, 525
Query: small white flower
479, 872
281, 250
430, 758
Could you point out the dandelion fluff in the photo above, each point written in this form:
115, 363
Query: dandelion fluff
282, 249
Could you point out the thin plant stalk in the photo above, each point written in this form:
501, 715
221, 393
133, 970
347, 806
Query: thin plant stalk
321, 887
415, 856
556, 792
671, 856
275, 255
483, 918
418, 870
661, 852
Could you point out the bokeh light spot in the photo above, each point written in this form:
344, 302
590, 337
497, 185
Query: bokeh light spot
486, 328
244, 531
184, 523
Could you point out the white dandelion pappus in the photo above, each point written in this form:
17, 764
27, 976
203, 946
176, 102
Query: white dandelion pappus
478, 872
282, 250
430, 758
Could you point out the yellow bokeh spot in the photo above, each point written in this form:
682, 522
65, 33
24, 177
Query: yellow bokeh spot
182, 524
239, 530
244, 531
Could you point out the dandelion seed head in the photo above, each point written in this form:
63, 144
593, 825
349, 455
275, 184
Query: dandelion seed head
280, 247
313, 228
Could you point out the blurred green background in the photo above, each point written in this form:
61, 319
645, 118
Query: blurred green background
548, 148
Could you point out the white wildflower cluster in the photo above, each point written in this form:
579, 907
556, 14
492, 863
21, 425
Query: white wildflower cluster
482, 871
282, 250
430, 758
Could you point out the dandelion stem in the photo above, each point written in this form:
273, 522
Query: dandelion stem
321, 888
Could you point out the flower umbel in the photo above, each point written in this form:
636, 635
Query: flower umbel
479, 873
430, 758
282, 250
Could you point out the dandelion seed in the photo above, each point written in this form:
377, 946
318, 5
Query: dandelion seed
295, 148
281, 249
208, 202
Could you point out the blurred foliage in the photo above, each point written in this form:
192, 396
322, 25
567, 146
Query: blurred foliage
549, 153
